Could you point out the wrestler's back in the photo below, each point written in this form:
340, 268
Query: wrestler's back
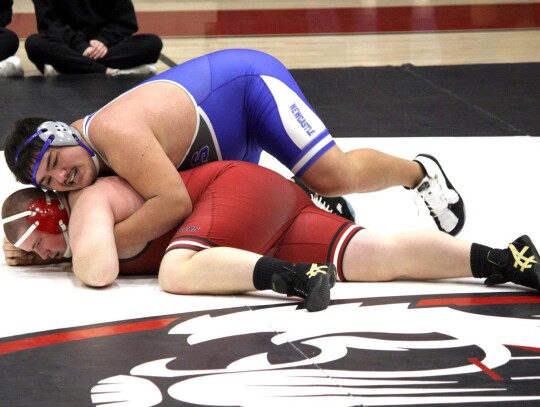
224, 88
161, 108
165, 105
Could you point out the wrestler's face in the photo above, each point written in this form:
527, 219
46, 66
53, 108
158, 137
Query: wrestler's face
66, 169
46, 245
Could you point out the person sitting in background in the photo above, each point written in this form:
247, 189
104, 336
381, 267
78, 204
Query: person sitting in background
10, 65
90, 36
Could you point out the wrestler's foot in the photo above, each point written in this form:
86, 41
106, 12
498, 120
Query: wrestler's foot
519, 264
309, 281
337, 205
444, 203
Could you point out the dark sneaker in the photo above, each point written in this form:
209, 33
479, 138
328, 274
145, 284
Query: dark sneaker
309, 281
520, 265
444, 203
337, 205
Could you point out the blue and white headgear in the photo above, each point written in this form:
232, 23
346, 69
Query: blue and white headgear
56, 134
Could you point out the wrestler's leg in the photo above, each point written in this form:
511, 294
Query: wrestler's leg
288, 128
361, 170
291, 131
413, 255
219, 270
436, 255
225, 270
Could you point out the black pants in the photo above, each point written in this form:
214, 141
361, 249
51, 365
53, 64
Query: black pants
131, 52
9, 43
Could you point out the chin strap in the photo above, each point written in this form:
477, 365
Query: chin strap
63, 227
96, 162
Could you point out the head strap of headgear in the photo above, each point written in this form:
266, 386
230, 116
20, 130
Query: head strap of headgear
56, 134
47, 215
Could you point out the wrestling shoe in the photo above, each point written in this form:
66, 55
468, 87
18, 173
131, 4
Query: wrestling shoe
519, 264
337, 205
443, 201
309, 281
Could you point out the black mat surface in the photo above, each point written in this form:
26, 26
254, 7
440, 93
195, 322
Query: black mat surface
468, 100
65, 98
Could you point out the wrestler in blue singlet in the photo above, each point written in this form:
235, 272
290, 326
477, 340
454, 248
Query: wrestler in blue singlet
248, 102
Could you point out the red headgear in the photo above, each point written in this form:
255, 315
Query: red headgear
50, 215
47, 215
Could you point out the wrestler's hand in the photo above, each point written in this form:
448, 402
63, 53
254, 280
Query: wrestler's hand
17, 257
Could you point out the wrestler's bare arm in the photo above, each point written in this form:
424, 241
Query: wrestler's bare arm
132, 138
94, 212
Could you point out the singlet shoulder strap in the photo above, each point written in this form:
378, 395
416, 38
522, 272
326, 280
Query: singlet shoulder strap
88, 119
86, 136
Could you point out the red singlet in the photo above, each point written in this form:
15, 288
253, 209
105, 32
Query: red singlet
246, 206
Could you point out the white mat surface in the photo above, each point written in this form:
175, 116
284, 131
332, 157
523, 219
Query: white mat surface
497, 177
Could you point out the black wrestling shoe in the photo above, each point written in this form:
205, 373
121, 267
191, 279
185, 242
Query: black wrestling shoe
519, 264
444, 203
523, 268
337, 205
309, 281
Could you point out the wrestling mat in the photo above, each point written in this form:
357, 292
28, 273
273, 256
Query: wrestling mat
438, 343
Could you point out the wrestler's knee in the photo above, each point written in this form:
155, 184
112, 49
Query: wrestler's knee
331, 174
169, 281
172, 273
368, 257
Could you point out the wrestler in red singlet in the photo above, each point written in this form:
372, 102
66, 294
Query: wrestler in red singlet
242, 205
